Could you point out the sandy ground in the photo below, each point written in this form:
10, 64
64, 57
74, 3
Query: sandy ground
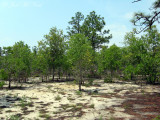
58, 101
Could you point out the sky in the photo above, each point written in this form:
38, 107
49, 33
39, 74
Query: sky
30, 20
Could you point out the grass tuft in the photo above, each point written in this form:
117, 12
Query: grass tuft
57, 98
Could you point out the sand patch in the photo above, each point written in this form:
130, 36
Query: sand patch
62, 101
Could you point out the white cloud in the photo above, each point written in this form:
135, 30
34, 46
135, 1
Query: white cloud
15, 4
118, 32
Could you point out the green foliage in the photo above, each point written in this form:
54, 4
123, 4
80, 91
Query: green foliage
3, 74
93, 28
22, 59
91, 106
2, 83
76, 107
146, 21
79, 49
111, 118
100, 118
108, 79
142, 55
78, 93
8, 64
70, 98
57, 98
75, 82
157, 118
80, 55
128, 71
90, 82
76, 24
127, 106
16, 62
24, 102
44, 115
13, 117
51, 51
109, 59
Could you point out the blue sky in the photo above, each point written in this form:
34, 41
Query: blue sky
30, 20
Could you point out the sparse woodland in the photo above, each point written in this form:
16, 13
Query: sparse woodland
83, 55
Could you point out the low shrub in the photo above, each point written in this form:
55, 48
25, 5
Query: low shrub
108, 79
24, 102
126, 77
46, 116
91, 106
78, 93
13, 117
157, 118
90, 81
57, 98
2, 83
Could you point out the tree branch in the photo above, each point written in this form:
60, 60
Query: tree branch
147, 21
136, 1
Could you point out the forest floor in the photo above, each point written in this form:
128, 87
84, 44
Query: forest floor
102, 101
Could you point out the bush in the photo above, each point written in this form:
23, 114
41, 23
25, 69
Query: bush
13, 117
86, 85
94, 75
2, 83
126, 77
44, 115
36, 75
157, 118
90, 81
57, 98
3, 74
23, 102
78, 93
75, 82
91, 106
108, 79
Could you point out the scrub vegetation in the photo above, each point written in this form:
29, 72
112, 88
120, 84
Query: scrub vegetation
82, 57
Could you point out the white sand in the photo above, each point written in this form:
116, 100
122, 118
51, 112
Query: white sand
69, 104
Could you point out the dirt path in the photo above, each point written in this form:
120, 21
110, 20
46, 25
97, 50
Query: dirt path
59, 101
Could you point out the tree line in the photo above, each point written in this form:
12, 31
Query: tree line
83, 53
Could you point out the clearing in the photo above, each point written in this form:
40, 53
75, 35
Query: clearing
63, 101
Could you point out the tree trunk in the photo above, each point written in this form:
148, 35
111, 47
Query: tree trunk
9, 85
59, 73
80, 86
145, 78
25, 79
131, 76
111, 73
42, 78
80, 81
142, 79
69, 75
66, 75
19, 79
46, 77
53, 73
